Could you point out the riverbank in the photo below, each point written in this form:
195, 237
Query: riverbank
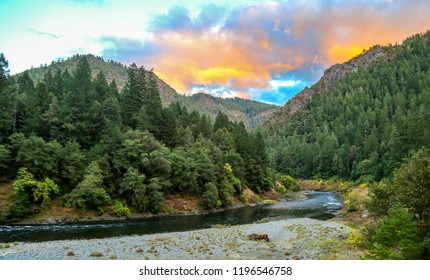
174, 204
288, 239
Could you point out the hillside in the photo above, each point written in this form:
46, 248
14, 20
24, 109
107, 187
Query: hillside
328, 81
251, 113
74, 143
360, 120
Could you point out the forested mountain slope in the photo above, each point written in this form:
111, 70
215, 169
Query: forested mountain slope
76, 139
361, 119
251, 113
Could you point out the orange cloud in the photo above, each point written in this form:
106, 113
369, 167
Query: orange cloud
207, 58
339, 53
263, 41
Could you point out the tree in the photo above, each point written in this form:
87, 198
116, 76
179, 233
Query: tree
409, 188
39, 157
72, 163
26, 190
184, 174
221, 121
134, 189
133, 96
412, 182
223, 139
209, 199
4, 72
90, 192
155, 197
80, 113
397, 236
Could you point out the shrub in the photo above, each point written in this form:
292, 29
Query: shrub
351, 203
44, 190
289, 183
209, 199
356, 238
155, 197
26, 190
121, 210
281, 189
397, 236
90, 192
409, 187
381, 197
18, 208
96, 254
226, 192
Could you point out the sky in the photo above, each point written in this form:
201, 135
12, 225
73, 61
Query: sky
263, 50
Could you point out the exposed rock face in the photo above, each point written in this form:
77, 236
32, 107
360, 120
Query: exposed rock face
331, 76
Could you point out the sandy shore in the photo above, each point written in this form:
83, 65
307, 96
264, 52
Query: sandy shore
289, 239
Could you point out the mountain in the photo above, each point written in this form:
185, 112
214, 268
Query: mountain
360, 120
251, 113
84, 145
328, 81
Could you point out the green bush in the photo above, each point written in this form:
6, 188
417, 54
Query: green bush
226, 192
410, 187
351, 202
18, 208
92, 198
281, 189
156, 196
289, 183
90, 192
209, 199
397, 236
121, 210
27, 190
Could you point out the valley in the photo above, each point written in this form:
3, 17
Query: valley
88, 139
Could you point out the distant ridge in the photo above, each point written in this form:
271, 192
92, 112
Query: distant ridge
250, 112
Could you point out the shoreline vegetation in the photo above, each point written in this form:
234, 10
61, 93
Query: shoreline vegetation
173, 205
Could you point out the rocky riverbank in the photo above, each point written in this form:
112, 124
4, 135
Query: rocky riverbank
288, 239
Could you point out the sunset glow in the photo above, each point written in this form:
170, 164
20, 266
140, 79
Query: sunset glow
227, 49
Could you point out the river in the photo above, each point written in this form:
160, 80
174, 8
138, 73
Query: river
316, 205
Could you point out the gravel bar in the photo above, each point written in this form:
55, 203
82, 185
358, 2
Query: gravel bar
288, 239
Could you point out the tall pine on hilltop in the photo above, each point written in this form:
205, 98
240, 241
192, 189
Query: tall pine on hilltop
98, 148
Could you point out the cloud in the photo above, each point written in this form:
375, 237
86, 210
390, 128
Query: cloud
218, 91
99, 3
40, 33
283, 83
260, 50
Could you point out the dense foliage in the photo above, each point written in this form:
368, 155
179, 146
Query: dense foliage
250, 112
101, 147
365, 126
403, 203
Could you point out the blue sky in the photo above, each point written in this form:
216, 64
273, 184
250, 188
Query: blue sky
264, 50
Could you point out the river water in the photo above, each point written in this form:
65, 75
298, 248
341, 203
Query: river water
316, 205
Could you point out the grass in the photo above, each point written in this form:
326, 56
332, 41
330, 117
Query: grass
96, 254
70, 254
220, 226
